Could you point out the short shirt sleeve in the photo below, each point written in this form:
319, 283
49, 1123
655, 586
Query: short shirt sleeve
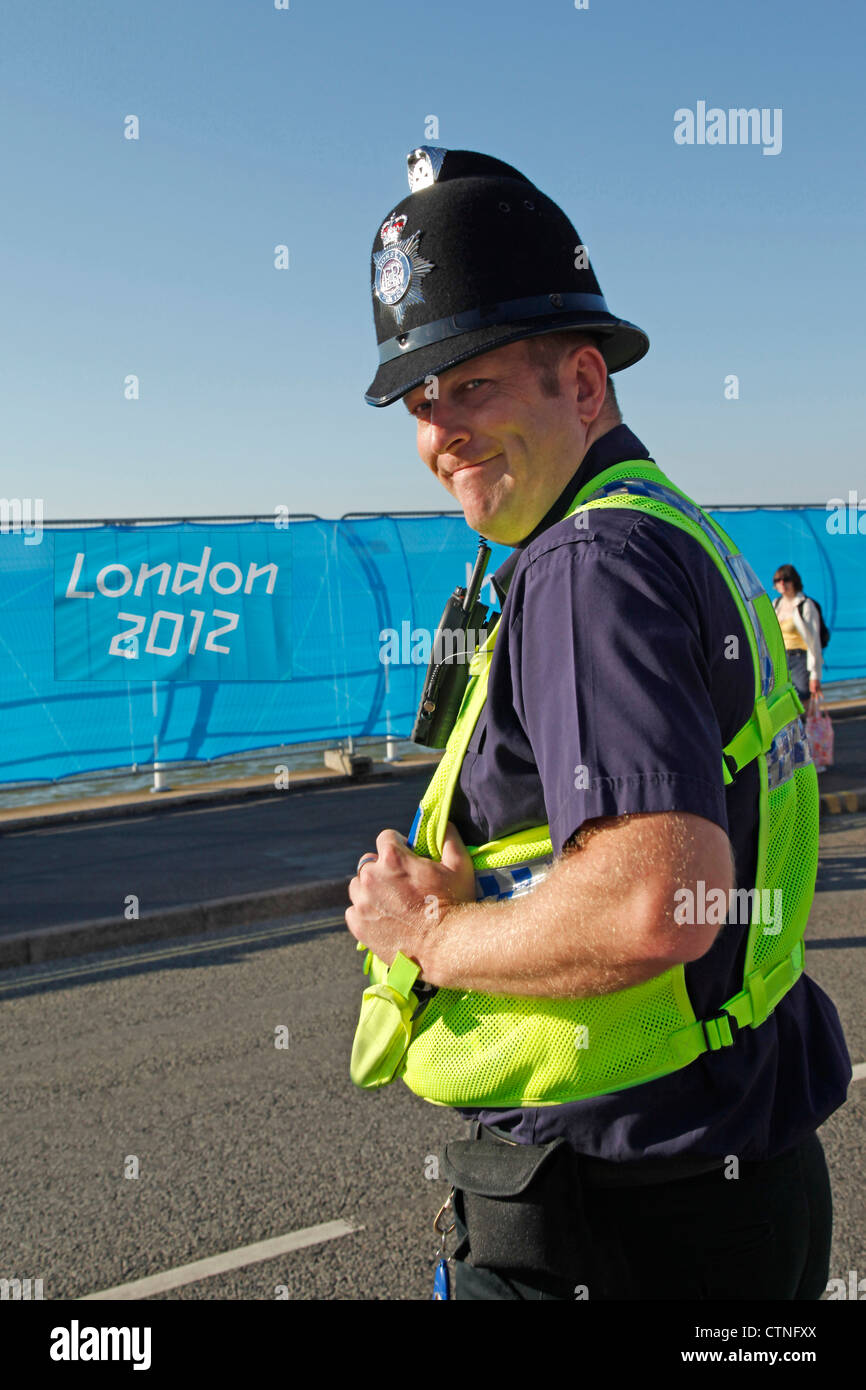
616, 637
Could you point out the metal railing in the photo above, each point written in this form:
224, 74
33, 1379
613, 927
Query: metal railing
251, 517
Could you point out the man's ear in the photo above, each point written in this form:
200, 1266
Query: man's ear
590, 372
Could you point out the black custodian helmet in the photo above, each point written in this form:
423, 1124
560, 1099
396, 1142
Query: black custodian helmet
474, 258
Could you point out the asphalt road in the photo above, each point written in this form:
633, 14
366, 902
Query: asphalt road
84, 871
168, 1054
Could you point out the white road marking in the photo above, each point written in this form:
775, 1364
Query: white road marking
230, 1259
859, 1071
197, 947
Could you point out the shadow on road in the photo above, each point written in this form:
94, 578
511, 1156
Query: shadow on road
845, 873
833, 943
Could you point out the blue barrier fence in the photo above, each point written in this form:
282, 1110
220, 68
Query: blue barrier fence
202, 640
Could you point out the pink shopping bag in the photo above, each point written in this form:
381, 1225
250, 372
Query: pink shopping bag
819, 730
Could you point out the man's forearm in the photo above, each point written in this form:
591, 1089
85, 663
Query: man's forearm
551, 942
602, 920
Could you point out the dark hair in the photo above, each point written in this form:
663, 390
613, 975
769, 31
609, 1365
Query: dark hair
546, 351
788, 574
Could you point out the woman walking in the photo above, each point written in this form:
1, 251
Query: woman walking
801, 629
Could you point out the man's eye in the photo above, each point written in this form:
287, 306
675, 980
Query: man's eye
476, 381
421, 409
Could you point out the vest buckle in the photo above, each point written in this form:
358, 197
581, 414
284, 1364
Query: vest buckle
720, 1031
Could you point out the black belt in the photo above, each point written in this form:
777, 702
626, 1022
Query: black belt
600, 1172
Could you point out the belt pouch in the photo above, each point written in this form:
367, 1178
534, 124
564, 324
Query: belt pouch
522, 1206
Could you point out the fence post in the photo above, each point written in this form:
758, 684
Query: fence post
159, 782
390, 742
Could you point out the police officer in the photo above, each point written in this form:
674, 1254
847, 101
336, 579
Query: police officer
645, 1070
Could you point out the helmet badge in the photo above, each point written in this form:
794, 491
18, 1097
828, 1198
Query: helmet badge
424, 164
399, 268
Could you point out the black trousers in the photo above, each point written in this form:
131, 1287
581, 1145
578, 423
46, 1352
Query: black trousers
764, 1234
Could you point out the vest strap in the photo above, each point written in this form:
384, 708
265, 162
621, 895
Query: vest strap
403, 974
748, 1009
427, 834
756, 736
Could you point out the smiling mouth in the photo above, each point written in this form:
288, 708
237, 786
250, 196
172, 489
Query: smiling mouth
465, 466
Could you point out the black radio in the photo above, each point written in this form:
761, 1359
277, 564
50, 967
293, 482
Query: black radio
462, 630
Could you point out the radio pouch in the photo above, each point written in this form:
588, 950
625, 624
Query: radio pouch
385, 1026
523, 1207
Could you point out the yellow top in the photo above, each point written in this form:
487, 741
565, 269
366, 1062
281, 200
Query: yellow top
793, 640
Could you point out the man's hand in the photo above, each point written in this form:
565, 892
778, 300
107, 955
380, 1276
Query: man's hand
399, 898
814, 687
603, 919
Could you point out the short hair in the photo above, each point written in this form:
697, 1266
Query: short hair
787, 574
547, 350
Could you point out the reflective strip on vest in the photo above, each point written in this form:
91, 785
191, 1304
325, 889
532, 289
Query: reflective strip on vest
511, 883
788, 751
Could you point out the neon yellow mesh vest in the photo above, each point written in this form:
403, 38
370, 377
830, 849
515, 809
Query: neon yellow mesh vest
475, 1049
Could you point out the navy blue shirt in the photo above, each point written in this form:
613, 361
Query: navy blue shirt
612, 657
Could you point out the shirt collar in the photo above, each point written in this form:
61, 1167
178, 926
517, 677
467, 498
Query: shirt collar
618, 445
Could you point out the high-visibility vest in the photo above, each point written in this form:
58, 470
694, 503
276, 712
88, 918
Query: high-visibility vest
468, 1048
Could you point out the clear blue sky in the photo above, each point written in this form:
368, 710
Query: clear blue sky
261, 126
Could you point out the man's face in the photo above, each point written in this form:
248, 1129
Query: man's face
502, 448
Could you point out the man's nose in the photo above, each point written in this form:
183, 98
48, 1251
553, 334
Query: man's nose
448, 429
